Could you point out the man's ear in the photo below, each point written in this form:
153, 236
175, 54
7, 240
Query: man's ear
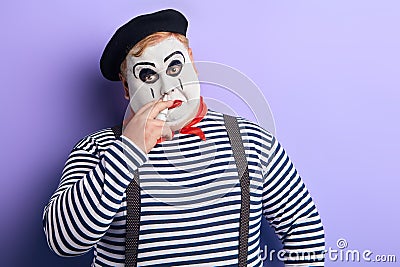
191, 59
125, 85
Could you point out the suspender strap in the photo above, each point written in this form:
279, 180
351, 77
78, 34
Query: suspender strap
235, 138
133, 198
132, 213
117, 130
132, 221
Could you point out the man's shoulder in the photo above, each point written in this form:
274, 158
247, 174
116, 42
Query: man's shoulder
98, 139
247, 127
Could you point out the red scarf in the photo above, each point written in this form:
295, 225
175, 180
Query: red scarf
188, 128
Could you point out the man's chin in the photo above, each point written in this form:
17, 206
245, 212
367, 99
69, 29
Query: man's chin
183, 115
176, 125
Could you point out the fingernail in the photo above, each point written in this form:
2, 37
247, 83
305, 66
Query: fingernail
175, 104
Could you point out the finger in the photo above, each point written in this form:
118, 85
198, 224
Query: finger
160, 131
162, 116
154, 132
167, 133
145, 107
158, 107
156, 122
149, 104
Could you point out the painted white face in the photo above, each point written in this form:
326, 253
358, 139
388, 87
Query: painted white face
165, 71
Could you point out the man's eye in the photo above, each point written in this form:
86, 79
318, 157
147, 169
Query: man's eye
148, 75
174, 68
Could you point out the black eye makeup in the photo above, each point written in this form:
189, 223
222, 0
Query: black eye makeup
174, 68
147, 75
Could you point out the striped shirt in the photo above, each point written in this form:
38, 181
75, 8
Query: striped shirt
190, 200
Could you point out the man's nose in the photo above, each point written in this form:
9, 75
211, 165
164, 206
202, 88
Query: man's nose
168, 85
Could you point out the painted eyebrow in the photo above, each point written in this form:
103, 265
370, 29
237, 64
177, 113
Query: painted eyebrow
141, 63
174, 53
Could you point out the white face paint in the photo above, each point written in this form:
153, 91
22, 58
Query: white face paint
165, 71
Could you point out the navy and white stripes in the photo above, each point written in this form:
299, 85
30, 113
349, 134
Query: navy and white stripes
190, 200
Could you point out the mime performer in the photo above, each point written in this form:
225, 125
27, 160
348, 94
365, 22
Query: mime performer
191, 203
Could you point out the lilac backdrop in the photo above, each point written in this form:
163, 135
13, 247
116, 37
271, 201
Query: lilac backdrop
329, 69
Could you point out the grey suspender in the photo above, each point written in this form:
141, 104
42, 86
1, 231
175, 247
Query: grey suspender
235, 138
133, 198
132, 221
132, 213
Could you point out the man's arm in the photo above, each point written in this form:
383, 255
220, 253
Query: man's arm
89, 195
92, 187
289, 208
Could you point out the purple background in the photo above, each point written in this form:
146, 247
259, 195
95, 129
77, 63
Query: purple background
329, 69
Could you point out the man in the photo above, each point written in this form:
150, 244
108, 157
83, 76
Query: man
180, 154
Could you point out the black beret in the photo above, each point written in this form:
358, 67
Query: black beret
132, 32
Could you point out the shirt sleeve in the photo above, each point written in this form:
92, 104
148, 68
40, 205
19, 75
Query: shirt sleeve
290, 210
89, 194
